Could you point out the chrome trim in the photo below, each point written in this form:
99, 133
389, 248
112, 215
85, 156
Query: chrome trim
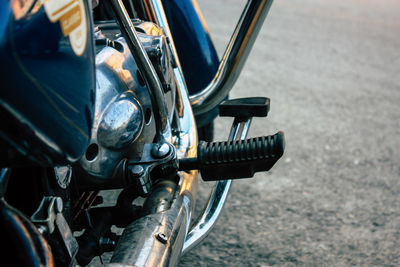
115, 84
235, 56
163, 130
139, 244
157, 9
217, 198
184, 143
121, 124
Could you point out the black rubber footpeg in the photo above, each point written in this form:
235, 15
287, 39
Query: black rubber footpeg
245, 107
236, 159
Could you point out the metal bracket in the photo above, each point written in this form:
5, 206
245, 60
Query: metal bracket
219, 194
48, 217
157, 159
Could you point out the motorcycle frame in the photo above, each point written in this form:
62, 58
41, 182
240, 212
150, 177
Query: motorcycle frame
159, 239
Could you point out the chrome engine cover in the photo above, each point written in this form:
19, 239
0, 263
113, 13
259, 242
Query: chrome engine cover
123, 120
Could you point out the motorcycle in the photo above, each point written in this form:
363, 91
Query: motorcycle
119, 95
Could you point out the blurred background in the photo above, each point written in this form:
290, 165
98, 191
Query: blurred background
332, 71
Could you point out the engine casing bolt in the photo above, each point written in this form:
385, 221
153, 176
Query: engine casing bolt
136, 170
162, 238
160, 151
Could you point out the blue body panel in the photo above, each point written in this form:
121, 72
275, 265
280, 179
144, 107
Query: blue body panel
49, 90
193, 43
45, 85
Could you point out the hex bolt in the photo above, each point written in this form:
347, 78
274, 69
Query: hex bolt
136, 170
160, 151
137, 176
162, 238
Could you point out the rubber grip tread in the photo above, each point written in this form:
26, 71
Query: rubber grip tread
241, 158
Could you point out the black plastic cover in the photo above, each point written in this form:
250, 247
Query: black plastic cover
245, 107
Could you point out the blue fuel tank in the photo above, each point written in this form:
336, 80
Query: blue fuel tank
47, 80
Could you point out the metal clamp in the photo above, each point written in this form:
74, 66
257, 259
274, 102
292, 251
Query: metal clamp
45, 216
160, 156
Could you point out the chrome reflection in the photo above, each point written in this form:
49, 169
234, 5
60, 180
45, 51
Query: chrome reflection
121, 123
140, 245
235, 56
163, 130
186, 141
217, 198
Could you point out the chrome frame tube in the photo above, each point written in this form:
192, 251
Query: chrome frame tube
235, 56
156, 7
141, 245
218, 196
185, 141
142, 235
163, 131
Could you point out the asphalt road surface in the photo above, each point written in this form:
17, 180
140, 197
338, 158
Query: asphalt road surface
332, 71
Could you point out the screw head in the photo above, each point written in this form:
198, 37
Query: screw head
162, 238
160, 151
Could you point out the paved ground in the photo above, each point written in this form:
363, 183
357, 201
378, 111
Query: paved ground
332, 71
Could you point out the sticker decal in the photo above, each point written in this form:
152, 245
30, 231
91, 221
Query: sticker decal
20, 7
72, 17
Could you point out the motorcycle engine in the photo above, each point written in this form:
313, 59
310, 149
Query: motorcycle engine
123, 118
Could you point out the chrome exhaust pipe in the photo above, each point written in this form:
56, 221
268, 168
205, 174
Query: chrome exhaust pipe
235, 56
157, 238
